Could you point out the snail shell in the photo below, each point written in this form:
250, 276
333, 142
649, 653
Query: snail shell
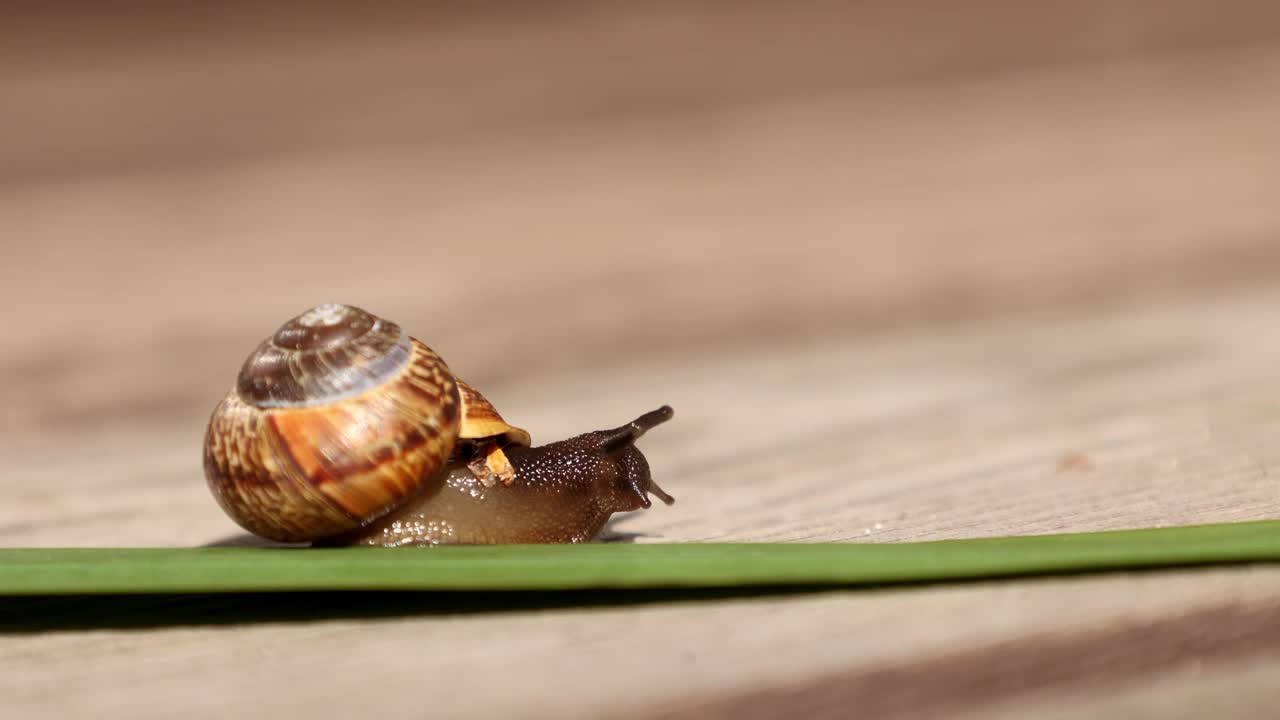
336, 420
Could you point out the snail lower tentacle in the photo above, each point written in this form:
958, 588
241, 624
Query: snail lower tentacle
563, 492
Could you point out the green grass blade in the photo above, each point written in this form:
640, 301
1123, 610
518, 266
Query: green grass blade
68, 571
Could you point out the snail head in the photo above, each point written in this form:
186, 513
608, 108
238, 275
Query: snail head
607, 459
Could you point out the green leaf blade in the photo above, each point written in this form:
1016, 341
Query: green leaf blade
81, 571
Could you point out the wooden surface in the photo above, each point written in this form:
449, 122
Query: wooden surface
904, 273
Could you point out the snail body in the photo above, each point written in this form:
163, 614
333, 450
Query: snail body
341, 429
561, 493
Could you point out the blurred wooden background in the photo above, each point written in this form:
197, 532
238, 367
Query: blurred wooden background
905, 270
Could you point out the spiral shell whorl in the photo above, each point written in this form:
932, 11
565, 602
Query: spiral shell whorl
328, 429
326, 354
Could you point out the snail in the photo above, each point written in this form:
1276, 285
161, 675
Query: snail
344, 430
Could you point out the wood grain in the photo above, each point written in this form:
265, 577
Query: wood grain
904, 273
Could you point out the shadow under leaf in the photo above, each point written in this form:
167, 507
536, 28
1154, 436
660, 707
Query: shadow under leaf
38, 614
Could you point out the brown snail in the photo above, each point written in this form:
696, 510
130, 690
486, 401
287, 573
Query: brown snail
343, 430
